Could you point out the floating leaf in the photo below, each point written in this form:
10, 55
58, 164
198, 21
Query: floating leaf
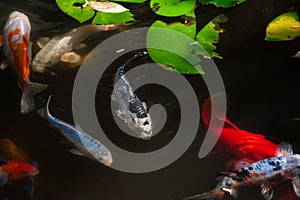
222, 3
80, 14
207, 37
169, 46
172, 8
283, 28
106, 6
112, 18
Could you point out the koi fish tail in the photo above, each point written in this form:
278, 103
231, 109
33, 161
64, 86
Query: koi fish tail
211, 195
27, 100
44, 112
120, 72
3, 178
207, 109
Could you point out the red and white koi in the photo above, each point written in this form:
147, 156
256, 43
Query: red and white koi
12, 170
17, 49
267, 172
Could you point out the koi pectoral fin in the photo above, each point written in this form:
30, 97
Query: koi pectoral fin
296, 185
3, 179
70, 57
211, 195
284, 149
41, 42
1, 40
76, 152
267, 191
4, 64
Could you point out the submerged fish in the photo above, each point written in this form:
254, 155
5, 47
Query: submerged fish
84, 143
17, 49
240, 143
267, 172
131, 109
11, 170
52, 52
11, 151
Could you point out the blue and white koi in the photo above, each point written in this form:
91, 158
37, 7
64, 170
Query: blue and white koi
267, 172
17, 49
51, 53
131, 109
83, 142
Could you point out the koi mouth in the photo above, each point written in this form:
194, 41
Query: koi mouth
107, 160
146, 135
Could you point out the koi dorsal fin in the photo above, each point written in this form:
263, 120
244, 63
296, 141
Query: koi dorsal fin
136, 107
284, 149
296, 185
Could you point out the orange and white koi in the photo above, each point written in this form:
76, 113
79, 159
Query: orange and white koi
267, 172
17, 49
12, 170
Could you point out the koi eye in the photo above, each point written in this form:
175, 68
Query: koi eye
25, 173
146, 123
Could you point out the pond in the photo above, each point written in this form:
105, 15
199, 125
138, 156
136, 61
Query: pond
262, 86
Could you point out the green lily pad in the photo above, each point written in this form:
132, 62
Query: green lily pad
283, 28
222, 3
172, 8
112, 18
80, 14
207, 37
170, 46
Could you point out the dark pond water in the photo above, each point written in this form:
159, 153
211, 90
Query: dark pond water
262, 84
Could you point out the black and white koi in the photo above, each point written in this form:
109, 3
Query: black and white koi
267, 172
131, 109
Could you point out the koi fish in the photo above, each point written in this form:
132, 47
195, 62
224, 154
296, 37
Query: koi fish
84, 143
17, 49
267, 172
11, 151
240, 143
12, 170
51, 52
131, 109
